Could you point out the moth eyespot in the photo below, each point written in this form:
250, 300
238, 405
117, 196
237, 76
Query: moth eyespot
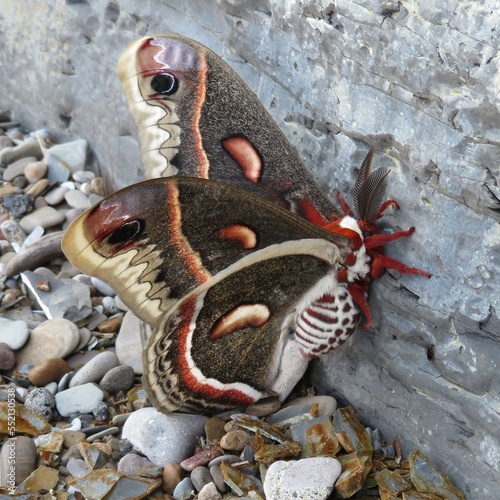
165, 84
126, 232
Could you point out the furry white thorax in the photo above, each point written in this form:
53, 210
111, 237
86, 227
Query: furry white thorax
362, 265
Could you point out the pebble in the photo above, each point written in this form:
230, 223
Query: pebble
51, 370
184, 490
129, 344
45, 217
83, 176
306, 479
172, 475
102, 287
7, 357
209, 492
5, 142
218, 479
17, 168
24, 450
200, 477
35, 171
109, 305
72, 437
54, 338
234, 440
163, 438
77, 199
120, 378
201, 458
29, 147
95, 369
82, 399
56, 195
327, 405
131, 464
40, 401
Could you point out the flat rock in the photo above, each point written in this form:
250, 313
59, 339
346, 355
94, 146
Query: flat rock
306, 479
95, 369
54, 338
163, 438
63, 159
81, 399
66, 298
45, 217
128, 342
131, 464
14, 333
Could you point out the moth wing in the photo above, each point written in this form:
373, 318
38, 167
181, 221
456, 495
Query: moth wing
155, 241
196, 117
220, 346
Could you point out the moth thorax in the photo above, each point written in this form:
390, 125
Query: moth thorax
361, 261
327, 319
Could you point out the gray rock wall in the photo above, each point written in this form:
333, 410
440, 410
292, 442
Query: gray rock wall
418, 80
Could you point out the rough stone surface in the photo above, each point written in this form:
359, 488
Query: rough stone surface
306, 479
163, 438
417, 80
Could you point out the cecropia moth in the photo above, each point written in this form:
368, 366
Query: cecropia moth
235, 247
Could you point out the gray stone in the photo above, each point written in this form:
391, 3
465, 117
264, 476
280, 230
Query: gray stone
41, 401
54, 338
45, 217
77, 199
104, 288
200, 477
63, 159
17, 168
292, 369
27, 148
118, 379
131, 464
418, 81
306, 479
81, 399
13, 333
83, 176
163, 438
128, 342
184, 490
77, 467
95, 369
66, 298
56, 195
